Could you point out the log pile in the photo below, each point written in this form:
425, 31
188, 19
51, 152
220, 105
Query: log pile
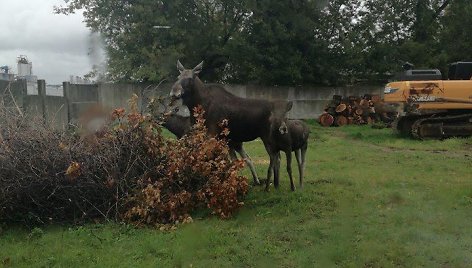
341, 111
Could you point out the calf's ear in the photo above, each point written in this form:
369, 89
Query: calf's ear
289, 106
198, 68
180, 67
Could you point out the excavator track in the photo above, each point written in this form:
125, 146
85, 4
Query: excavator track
440, 127
402, 125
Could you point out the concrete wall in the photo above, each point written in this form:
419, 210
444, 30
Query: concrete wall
13, 92
52, 110
49, 109
82, 93
309, 101
56, 111
33, 106
117, 95
79, 99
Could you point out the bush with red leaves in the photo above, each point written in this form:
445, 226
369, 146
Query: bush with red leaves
196, 172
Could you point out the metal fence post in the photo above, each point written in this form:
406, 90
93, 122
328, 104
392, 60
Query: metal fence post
66, 92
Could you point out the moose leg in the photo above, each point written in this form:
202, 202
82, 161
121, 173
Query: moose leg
288, 154
248, 161
298, 156
271, 163
269, 171
232, 154
303, 154
277, 170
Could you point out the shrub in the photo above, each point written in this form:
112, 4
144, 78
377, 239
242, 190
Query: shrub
196, 172
126, 171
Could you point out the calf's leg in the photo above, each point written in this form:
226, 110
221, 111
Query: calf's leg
288, 154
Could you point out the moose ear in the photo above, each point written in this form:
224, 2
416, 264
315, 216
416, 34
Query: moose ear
198, 68
180, 67
289, 106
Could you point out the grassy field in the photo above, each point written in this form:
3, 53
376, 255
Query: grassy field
370, 199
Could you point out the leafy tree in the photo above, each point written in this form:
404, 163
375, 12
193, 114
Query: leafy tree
373, 38
137, 51
344, 35
456, 33
277, 42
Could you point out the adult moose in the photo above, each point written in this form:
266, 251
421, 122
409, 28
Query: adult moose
180, 125
248, 119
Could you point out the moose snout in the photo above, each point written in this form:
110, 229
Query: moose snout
283, 129
176, 92
175, 95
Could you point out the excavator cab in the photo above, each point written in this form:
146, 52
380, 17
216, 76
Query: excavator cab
461, 70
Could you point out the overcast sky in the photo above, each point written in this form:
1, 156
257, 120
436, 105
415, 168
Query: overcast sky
57, 45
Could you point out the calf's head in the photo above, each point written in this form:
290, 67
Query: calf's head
278, 117
185, 81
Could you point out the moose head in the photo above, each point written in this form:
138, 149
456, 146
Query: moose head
185, 81
278, 116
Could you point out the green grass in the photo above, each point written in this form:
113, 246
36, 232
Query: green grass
370, 199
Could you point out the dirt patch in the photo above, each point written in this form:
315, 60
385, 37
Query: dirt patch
261, 161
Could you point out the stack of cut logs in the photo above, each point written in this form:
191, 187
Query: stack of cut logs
353, 110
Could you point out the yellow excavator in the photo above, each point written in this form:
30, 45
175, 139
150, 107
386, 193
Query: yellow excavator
430, 107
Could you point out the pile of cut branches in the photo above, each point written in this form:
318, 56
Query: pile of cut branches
53, 176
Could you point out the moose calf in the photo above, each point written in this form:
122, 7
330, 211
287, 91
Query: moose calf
177, 124
296, 140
